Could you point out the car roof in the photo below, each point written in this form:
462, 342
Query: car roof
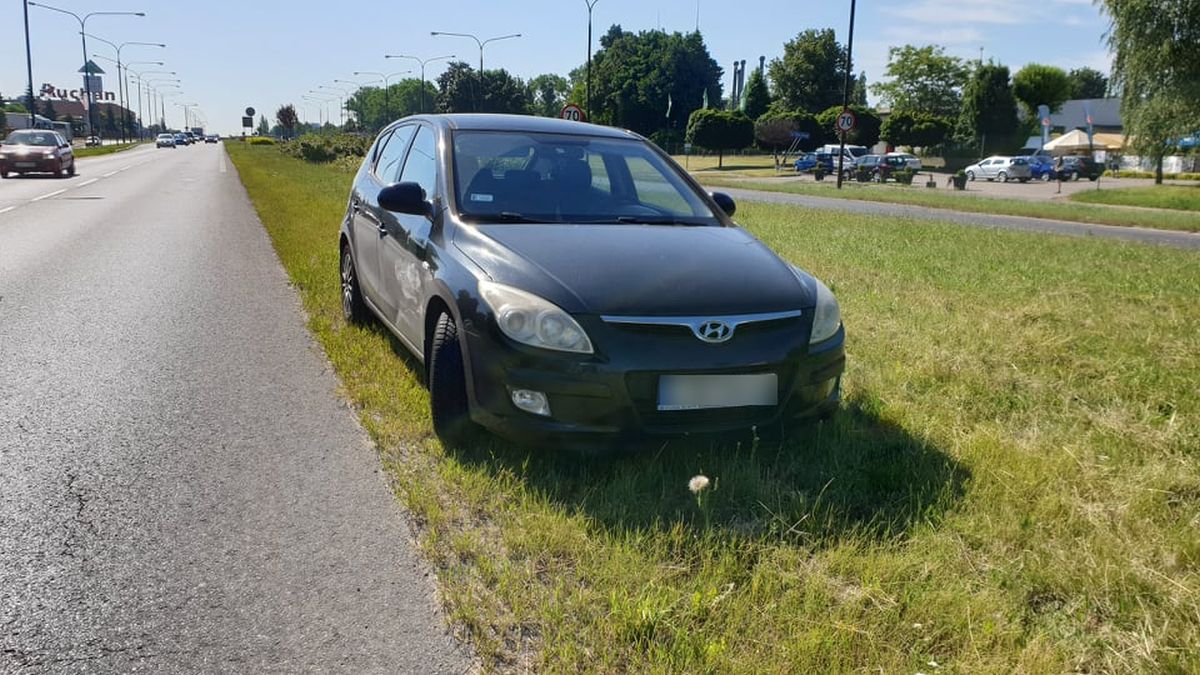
525, 123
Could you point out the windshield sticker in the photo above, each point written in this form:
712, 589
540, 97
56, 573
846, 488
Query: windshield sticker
476, 197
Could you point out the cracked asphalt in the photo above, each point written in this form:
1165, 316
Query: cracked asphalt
181, 488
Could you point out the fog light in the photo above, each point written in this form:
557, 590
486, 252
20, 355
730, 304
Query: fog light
531, 401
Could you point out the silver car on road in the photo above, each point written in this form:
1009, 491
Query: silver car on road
1001, 168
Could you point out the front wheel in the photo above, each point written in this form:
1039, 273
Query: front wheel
354, 310
72, 168
1046, 177
1003, 177
970, 175
448, 385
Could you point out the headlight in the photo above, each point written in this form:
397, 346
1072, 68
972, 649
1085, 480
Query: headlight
827, 317
530, 320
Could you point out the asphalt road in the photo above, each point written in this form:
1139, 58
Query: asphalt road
1189, 240
181, 489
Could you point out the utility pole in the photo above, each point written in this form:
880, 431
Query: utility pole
29, 63
846, 95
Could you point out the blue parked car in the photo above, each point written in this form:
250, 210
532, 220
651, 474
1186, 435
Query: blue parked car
809, 160
1041, 167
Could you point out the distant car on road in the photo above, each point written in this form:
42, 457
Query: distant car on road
1076, 167
569, 283
92, 141
1000, 168
36, 151
911, 161
212, 138
164, 141
182, 139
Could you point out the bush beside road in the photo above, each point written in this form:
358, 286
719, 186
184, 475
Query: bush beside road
1011, 487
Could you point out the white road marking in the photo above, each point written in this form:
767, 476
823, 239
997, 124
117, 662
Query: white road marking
87, 182
110, 173
7, 209
56, 192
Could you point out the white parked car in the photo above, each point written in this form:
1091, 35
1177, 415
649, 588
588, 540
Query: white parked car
910, 160
1001, 169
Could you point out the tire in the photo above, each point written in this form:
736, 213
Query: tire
1003, 176
1022, 180
72, 174
1046, 177
354, 309
448, 404
3, 174
971, 175
1093, 178
1074, 175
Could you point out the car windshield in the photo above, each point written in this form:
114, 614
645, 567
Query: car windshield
32, 138
556, 178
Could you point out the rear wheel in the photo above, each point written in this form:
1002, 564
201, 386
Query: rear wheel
1046, 177
970, 175
3, 174
354, 310
72, 167
1003, 177
448, 385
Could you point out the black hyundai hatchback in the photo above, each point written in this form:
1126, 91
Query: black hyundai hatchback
569, 282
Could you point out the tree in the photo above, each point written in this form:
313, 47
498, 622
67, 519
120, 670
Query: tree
377, 108
989, 112
649, 81
547, 94
810, 74
866, 131
720, 130
462, 89
264, 128
288, 119
758, 98
1036, 84
1156, 67
1088, 83
49, 112
108, 121
859, 95
780, 129
924, 79
915, 129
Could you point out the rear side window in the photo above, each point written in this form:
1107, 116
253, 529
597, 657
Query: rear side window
387, 166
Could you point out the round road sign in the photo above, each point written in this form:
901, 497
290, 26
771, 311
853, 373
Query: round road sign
846, 121
573, 113
249, 112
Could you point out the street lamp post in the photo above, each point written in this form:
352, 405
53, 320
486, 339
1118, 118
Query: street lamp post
122, 91
154, 95
87, 81
162, 110
588, 104
29, 64
422, 62
479, 42
343, 94
324, 101
387, 85
846, 94
140, 120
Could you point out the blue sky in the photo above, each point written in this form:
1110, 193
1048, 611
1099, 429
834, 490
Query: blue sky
234, 53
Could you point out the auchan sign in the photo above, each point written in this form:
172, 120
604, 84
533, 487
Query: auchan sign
55, 94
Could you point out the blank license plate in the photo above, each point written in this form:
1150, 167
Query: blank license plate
25, 165
699, 392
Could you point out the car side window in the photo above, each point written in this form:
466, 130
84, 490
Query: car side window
387, 167
421, 165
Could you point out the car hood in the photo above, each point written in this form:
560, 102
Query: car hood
638, 270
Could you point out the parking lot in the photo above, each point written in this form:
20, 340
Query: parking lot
1032, 191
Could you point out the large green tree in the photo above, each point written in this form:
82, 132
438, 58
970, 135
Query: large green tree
377, 108
778, 130
758, 97
1037, 84
1156, 67
720, 130
288, 119
916, 129
547, 94
866, 130
923, 79
1088, 83
859, 95
811, 73
462, 89
989, 111
649, 81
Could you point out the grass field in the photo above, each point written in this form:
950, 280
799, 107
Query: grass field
1013, 484
1178, 197
98, 150
1100, 214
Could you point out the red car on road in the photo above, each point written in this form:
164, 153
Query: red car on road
36, 151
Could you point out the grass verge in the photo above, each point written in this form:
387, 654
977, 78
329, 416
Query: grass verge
1013, 485
1099, 214
98, 150
1178, 197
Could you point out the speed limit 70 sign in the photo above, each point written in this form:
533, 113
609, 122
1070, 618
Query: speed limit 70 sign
573, 113
846, 121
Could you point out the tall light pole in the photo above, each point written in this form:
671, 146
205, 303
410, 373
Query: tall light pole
362, 103
121, 93
479, 42
140, 119
324, 99
343, 94
846, 93
163, 104
588, 104
387, 85
87, 77
154, 95
186, 119
422, 62
29, 64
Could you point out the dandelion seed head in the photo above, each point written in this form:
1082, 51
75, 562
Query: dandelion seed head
698, 484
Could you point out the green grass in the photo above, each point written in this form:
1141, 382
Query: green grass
98, 150
1012, 486
941, 198
1178, 197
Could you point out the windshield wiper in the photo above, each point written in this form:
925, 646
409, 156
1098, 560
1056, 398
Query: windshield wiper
658, 220
505, 217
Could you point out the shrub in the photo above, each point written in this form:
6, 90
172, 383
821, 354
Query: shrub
260, 140
720, 130
322, 149
904, 176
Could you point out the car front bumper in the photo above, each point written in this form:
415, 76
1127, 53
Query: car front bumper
613, 395
31, 164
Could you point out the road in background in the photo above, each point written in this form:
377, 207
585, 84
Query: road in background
181, 488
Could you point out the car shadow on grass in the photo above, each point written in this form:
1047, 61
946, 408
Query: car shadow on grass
858, 475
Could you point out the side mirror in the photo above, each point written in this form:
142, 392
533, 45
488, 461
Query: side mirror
725, 202
405, 198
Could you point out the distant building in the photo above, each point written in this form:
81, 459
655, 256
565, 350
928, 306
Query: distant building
1106, 115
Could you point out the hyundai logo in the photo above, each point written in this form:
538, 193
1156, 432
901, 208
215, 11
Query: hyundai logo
714, 331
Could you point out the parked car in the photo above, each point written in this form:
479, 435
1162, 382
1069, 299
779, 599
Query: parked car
1001, 169
164, 141
809, 161
1040, 167
1076, 167
92, 141
36, 151
910, 160
212, 138
568, 282
877, 167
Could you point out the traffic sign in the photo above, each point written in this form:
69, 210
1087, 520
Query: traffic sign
846, 121
573, 113
249, 112
248, 121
